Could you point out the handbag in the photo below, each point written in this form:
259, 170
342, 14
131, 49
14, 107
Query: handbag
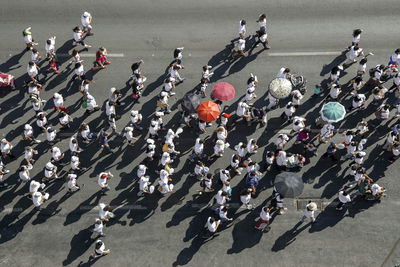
160, 104
84, 104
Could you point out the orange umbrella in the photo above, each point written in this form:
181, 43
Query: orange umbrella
208, 111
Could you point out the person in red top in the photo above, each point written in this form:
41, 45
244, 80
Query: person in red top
101, 59
53, 66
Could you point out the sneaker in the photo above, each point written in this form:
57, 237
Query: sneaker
88, 46
6, 171
172, 93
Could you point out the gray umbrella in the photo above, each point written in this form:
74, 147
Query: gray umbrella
190, 102
289, 184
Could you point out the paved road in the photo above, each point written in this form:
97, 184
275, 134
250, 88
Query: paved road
164, 231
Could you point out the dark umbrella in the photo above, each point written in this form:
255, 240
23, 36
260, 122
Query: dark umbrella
190, 102
289, 184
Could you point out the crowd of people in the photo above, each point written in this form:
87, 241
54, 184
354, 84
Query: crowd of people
366, 83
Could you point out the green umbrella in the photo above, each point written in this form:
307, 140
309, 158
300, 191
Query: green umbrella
333, 112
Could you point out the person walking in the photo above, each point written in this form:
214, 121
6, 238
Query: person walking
103, 180
99, 250
86, 21
344, 198
98, 228
78, 37
264, 219
309, 212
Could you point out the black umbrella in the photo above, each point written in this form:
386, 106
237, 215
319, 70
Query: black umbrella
289, 184
190, 102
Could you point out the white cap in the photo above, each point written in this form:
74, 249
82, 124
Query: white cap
74, 158
165, 154
170, 132
86, 14
57, 95
163, 93
128, 129
220, 142
49, 165
27, 127
37, 194
134, 112
142, 167
159, 113
244, 105
150, 141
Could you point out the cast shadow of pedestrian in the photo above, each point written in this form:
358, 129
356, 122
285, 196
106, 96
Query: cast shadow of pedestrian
12, 61
288, 237
335, 62
80, 243
83, 208
10, 229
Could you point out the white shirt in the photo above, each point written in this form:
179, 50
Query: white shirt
101, 249
361, 68
334, 92
223, 177
395, 58
102, 213
245, 198
34, 186
221, 200
79, 71
143, 183
50, 47
212, 227
5, 148
98, 227
298, 127
78, 36
234, 163
198, 148
263, 23
74, 162
218, 149
351, 149
241, 110
281, 159
164, 176
327, 130
72, 146
297, 97
240, 150
136, 118
265, 215
85, 20
270, 160
356, 38
242, 28
250, 147
41, 122
263, 37
28, 154
353, 54
72, 182
58, 102
56, 153
28, 38
36, 200
241, 44
24, 176
348, 138
102, 182
376, 189
32, 71
357, 104
281, 73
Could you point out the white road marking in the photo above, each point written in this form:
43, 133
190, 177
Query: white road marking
299, 54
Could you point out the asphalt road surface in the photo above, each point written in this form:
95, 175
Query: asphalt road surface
165, 231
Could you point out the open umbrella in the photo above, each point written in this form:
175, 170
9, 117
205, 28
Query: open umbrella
208, 111
333, 112
190, 102
280, 87
223, 91
288, 184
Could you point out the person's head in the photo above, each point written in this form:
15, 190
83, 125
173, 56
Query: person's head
203, 80
176, 67
287, 70
251, 163
99, 243
74, 52
386, 106
270, 154
201, 121
48, 42
201, 141
345, 193
356, 48
102, 49
224, 209
245, 191
224, 194
23, 168
381, 66
353, 143
30, 63
74, 141
4, 141
106, 208
209, 176
349, 132
76, 29
354, 167
243, 22
397, 51
212, 220
241, 36
205, 67
289, 105
289, 154
335, 70
356, 32
34, 50
297, 122
358, 79
78, 65
252, 174
265, 209
363, 61
111, 103
262, 16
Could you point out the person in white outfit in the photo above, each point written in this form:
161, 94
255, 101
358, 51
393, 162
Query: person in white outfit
72, 186
86, 20
309, 212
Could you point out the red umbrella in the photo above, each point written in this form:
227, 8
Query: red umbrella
208, 111
223, 91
